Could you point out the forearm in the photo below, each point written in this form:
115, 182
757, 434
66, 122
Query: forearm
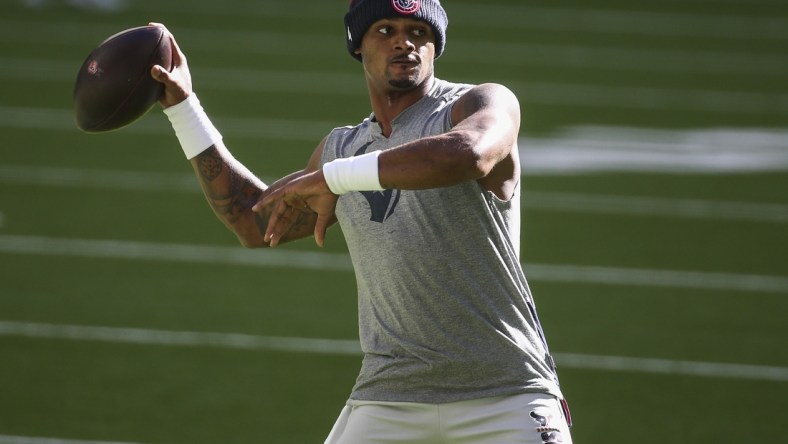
431, 162
231, 190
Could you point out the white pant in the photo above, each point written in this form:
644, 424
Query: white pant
518, 419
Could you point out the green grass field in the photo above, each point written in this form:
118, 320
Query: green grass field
655, 231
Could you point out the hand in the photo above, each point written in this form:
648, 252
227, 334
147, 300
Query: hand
300, 192
178, 81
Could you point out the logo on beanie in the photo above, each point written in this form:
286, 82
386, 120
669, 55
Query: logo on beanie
406, 7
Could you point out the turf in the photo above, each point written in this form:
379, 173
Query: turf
275, 79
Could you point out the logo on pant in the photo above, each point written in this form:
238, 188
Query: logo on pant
549, 434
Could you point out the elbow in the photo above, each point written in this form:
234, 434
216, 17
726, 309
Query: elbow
474, 161
482, 159
481, 167
478, 165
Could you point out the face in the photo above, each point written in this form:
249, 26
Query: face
398, 53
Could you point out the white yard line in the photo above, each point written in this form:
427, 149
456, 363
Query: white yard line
117, 249
180, 338
352, 348
592, 149
62, 177
149, 251
156, 124
534, 200
672, 367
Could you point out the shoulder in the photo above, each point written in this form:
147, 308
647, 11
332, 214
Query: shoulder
486, 97
341, 141
448, 92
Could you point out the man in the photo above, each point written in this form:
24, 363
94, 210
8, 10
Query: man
427, 193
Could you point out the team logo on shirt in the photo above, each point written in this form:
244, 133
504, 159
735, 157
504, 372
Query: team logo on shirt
406, 7
382, 203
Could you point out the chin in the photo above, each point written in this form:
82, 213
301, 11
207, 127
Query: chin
403, 83
408, 82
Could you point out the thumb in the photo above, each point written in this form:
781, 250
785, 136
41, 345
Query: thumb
159, 73
174, 92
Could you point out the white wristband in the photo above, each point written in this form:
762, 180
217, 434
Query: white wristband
194, 130
359, 173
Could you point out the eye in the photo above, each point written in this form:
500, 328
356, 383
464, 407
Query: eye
419, 32
385, 30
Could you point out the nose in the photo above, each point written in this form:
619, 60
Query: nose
402, 42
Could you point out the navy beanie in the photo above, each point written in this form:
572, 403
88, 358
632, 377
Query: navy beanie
363, 13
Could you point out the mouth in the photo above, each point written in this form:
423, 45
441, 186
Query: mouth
405, 60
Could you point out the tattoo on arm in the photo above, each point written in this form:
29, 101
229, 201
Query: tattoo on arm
228, 193
231, 196
211, 165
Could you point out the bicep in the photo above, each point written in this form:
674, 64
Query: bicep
486, 104
490, 115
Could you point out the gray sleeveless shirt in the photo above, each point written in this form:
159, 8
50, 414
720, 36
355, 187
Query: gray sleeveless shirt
445, 312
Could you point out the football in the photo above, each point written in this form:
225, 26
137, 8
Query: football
114, 86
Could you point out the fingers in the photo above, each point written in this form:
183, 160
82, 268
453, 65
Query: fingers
177, 54
272, 197
321, 226
284, 217
287, 202
269, 197
176, 78
160, 25
178, 58
160, 74
276, 222
275, 192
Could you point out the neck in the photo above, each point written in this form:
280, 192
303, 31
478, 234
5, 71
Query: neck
388, 104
